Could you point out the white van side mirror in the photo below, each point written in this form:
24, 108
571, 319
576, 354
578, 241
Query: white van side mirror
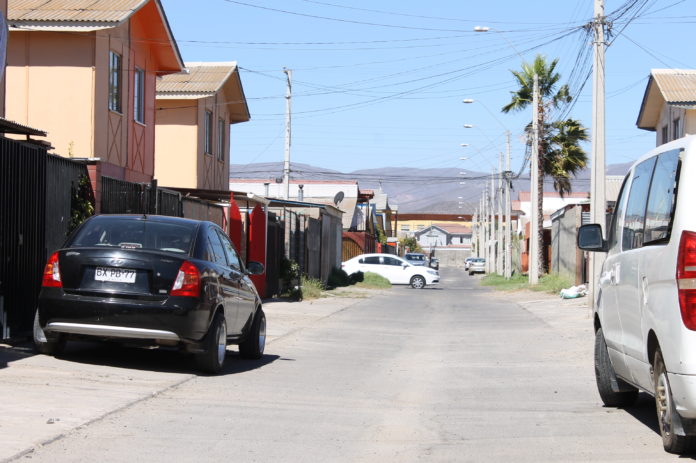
590, 238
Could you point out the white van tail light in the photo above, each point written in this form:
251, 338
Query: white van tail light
686, 278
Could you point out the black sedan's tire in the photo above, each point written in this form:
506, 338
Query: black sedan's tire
255, 343
604, 372
672, 442
212, 359
417, 282
47, 344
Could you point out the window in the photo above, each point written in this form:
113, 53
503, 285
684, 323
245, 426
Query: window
658, 216
231, 254
139, 95
218, 251
676, 129
115, 81
665, 134
221, 140
405, 228
372, 260
392, 261
634, 221
208, 128
617, 217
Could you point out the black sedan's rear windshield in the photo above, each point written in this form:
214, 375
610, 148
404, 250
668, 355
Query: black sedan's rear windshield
135, 233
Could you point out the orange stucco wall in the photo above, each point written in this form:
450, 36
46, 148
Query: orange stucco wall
59, 82
180, 142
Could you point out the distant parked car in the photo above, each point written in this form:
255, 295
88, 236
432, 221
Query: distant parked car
467, 261
395, 269
160, 281
477, 265
416, 258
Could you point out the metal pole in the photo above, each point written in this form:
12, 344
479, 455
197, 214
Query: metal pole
508, 213
288, 133
499, 195
491, 240
597, 178
534, 191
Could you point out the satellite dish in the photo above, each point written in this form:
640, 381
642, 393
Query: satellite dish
338, 198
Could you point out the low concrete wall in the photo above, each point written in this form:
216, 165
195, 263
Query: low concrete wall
452, 257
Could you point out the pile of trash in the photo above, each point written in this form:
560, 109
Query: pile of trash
574, 292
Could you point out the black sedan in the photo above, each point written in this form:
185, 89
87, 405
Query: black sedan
155, 280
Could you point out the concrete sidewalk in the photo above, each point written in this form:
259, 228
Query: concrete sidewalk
46, 398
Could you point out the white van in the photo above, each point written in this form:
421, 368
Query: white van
645, 310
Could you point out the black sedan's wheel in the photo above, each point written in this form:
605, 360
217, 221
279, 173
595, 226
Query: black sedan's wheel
47, 344
417, 282
672, 442
215, 347
255, 343
604, 372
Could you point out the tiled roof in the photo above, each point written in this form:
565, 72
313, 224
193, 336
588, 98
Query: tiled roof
108, 11
201, 78
678, 86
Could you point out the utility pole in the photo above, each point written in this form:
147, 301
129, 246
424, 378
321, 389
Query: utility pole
508, 212
474, 231
499, 256
491, 240
534, 190
598, 175
486, 224
288, 133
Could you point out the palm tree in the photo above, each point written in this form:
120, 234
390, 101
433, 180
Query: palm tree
560, 154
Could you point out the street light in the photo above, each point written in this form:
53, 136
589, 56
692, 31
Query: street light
468, 126
463, 145
481, 29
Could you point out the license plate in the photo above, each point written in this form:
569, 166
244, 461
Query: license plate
116, 275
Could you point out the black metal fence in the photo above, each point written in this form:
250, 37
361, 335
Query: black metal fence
123, 197
63, 178
22, 232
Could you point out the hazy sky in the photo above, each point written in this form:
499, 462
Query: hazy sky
378, 84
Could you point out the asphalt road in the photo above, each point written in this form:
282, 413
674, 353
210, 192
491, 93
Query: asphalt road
450, 374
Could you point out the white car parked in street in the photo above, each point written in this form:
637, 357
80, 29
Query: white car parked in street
393, 268
645, 310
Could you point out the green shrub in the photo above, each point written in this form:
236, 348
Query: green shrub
373, 280
310, 288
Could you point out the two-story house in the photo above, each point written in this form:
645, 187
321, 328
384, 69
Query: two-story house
195, 109
669, 104
85, 72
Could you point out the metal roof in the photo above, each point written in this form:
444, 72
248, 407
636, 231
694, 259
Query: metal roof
678, 86
200, 78
108, 11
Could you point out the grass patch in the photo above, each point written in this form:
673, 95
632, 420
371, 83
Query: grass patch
311, 288
374, 281
551, 283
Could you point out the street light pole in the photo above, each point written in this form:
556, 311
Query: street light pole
508, 212
288, 133
491, 242
499, 260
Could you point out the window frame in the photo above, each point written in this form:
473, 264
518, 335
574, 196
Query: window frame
139, 95
221, 139
675, 195
208, 132
115, 96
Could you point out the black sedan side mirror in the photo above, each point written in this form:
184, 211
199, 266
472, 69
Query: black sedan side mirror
255, 268
590, 238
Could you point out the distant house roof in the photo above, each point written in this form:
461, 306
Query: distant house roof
201, 80
93, 15
295, 181
675, 87
526, 195
453, 229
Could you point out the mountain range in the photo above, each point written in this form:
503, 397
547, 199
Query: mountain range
438, 190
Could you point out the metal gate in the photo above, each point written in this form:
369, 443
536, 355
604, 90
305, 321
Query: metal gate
22, 232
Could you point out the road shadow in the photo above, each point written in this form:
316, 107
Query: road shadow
12, 352
161, 360
644, 411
